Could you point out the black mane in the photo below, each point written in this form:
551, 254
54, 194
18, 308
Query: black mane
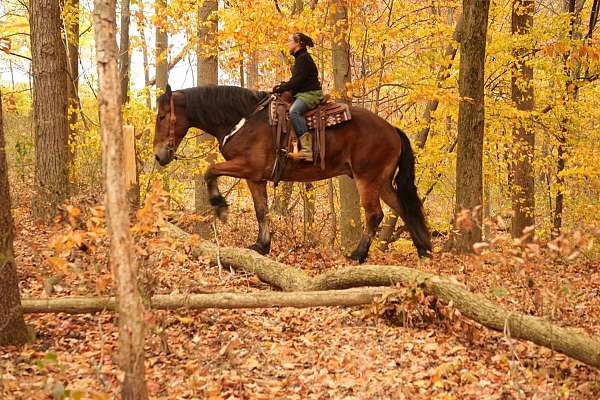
216, 109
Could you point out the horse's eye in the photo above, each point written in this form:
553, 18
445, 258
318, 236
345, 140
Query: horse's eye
161, 117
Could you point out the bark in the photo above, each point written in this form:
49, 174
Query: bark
282, 197
469, 161
161, 53
443, 74
73, 63
350, 222
122, 252
208, 73
124, 53
146, 66
12, 325
50, 120
570, 94
226, 300
252, 69
308, 202
523, 184
569, 341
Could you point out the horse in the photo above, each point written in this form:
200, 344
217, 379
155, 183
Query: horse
376, 154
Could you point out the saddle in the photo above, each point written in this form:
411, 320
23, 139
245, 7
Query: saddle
328, 113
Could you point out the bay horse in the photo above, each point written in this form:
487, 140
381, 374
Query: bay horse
377, 155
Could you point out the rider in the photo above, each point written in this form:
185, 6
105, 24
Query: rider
305, 87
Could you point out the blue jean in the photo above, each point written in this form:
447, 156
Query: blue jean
297, 110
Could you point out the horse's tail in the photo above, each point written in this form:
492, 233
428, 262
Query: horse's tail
410, 203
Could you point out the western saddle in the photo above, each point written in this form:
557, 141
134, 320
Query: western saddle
328, 113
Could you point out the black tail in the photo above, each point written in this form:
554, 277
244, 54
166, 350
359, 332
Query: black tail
412, 207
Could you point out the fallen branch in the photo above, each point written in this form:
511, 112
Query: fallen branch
570, 341
82, 305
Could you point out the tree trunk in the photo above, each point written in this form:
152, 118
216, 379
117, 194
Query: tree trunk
523, 185
50, 120
570, 94
350, 222
124, 54
226, 300
122, 251
572, 342
469, 160
73, 63
282, 197
443, 74
161, 53
208, 74
12, 325
252, 68
308, 202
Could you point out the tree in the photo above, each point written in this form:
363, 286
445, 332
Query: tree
161, 50
523, 185
208, 73
124, 54
72, 27
122, 252
50, 91
350, 223
12, 325
469, 162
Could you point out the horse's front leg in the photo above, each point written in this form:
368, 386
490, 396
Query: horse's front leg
259, 196
235, 168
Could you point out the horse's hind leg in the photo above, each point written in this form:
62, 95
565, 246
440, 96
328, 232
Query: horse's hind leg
259, 196
368, 191
237, 168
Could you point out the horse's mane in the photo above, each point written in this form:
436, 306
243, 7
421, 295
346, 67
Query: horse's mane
210, 107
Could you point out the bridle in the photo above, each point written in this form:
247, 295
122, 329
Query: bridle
172, 121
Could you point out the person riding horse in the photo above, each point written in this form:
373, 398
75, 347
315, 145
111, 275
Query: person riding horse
306, 89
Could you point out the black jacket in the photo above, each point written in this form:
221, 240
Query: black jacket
305, 75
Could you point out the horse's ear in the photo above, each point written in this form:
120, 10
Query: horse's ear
168, 90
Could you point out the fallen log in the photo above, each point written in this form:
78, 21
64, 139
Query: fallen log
572, 342
82, 305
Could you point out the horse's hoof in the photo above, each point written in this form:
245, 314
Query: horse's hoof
261, 248
222, 213
357, 256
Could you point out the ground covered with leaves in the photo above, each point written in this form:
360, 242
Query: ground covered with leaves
396, 348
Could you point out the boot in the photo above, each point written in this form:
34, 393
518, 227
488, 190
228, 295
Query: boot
306, 148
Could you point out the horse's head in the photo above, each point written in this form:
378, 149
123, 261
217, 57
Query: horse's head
172, 124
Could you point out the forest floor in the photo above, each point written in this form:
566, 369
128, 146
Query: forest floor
318, 353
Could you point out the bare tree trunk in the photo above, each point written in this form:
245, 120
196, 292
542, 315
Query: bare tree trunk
308, 201
469, 162
12, 325
252, 68
208, 73
350, 222
282, 197
242, 71
443, 74
161, 54
569, 6
122, 252
50, 99
523, 184
72, 28
146, 62
124, 54
332, 212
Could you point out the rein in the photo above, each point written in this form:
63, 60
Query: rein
172, 121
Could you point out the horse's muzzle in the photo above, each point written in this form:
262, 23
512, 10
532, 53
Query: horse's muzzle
163, 156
